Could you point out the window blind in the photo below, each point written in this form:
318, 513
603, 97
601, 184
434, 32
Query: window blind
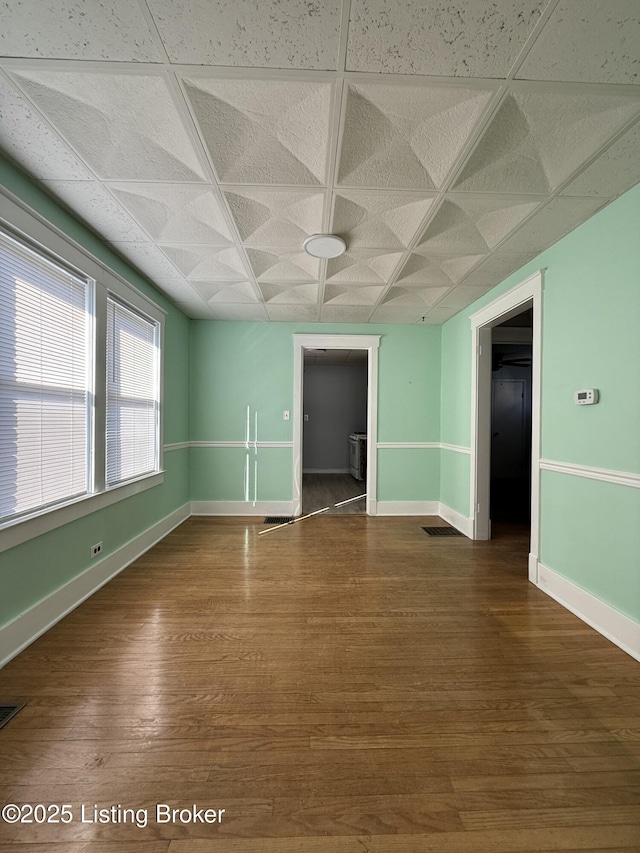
132, 394
45, 329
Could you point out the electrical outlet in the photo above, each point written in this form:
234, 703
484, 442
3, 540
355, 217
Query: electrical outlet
286, 415
96, 549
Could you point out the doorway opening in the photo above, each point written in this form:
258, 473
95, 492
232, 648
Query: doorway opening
505, 468
510, 482
363, 348
334, 431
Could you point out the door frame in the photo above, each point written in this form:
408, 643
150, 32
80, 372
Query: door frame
370, 343
526, 294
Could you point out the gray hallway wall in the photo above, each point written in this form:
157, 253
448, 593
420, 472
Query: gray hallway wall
335, 401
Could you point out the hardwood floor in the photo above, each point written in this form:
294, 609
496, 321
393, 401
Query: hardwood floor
322, 490
346, 684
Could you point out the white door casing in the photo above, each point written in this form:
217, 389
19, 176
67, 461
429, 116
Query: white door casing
527, 293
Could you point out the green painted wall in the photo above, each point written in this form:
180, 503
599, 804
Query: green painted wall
218, 473
455, 469
33, 570
591, 534
176, 413
456, 381
590, 338
408, 382
408, 475
235, 365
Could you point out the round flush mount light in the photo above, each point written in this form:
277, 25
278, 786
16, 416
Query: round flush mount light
324, 246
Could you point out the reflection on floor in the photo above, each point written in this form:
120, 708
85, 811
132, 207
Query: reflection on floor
320, 490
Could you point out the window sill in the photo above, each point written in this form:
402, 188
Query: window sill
20, 530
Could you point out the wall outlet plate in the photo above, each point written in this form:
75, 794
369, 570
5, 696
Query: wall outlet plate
96, 549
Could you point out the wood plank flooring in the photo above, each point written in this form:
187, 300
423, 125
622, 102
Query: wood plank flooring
344, 685
326, 490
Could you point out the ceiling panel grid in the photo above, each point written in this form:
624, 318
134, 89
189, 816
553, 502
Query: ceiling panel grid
446, 143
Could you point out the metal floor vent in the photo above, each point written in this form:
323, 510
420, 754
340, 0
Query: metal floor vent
278, 519
7, 712
442, 531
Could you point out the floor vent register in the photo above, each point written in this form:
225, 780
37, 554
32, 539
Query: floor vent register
442, 531
8, 711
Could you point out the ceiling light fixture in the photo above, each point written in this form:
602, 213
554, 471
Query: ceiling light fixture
324, 246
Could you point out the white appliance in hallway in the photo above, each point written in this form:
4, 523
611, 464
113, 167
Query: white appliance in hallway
358, 455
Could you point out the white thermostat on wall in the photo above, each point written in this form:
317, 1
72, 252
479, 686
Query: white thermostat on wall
586, 397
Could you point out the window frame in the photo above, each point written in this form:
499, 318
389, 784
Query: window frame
111, 297
42, 280
26, 225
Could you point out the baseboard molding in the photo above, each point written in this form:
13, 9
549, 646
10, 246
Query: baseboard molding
407, 507
325, 470
456, 519
533, 566
611, 623
241, 508
16, 635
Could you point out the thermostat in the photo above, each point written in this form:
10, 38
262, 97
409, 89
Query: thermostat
586, 397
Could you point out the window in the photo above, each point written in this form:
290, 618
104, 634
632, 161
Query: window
45, 381
132, 394
80, 381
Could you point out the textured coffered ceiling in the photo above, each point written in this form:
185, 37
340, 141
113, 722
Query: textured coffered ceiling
447, 142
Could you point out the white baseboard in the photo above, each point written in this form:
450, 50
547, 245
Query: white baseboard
325, 470
456, 519
241, 508
407, 507
611, 623
533, 568
24, 629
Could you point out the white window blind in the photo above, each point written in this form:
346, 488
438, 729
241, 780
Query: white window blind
45, 329
132, 394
